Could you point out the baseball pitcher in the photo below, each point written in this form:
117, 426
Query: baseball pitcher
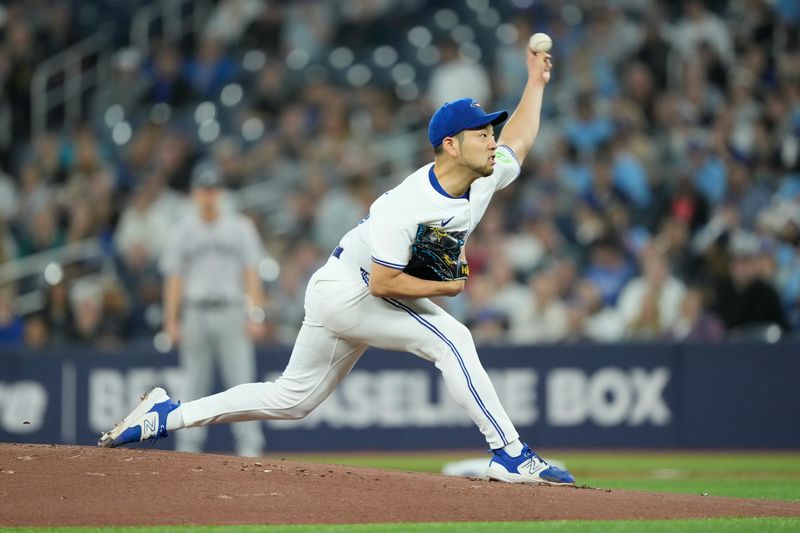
374, 290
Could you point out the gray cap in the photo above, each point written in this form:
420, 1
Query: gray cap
206, 175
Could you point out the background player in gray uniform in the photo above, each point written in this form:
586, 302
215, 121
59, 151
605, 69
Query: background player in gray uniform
364, 297
211, 286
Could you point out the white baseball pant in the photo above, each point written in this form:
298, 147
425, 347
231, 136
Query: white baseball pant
342, 320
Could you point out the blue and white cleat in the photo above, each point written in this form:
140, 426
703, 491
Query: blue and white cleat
147, 421
526, 468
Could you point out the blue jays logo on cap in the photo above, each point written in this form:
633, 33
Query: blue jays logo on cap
458, 115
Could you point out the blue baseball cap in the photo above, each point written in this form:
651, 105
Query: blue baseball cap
458, 115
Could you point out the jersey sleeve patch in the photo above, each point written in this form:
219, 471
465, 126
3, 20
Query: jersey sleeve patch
507, 168
510, 151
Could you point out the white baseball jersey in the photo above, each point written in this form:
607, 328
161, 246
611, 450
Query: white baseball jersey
210, 257
385, 236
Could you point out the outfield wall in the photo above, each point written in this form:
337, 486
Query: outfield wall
625, 396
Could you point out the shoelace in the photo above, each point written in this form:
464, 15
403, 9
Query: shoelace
532, 460
158, 435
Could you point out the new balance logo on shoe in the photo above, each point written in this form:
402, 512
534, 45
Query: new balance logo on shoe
149, 425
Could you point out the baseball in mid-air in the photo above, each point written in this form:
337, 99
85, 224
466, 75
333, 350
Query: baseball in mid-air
540, 42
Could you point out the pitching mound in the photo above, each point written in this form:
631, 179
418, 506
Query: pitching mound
73, 485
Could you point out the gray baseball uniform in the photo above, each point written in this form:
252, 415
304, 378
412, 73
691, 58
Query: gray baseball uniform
210, 259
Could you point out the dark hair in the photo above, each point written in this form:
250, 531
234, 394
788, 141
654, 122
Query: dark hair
439, 150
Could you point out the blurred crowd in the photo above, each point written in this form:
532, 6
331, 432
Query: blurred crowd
661, 201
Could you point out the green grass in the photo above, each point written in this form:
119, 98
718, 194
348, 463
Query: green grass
745, 475
734, 525
759, 475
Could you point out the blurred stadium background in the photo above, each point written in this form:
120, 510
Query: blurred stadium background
657, 225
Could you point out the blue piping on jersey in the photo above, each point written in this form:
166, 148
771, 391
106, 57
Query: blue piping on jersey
452, 347
388, 264
436, 185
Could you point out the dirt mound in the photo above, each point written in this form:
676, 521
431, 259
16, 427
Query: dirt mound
73, 485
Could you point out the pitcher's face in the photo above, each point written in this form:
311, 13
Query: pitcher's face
477, 150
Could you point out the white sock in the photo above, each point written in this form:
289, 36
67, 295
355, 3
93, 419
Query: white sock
175, 419
512, 448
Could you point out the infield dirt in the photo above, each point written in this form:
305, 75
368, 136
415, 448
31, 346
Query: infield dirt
72, 485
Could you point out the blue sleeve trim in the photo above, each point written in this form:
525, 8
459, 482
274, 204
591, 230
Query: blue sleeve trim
388, 264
